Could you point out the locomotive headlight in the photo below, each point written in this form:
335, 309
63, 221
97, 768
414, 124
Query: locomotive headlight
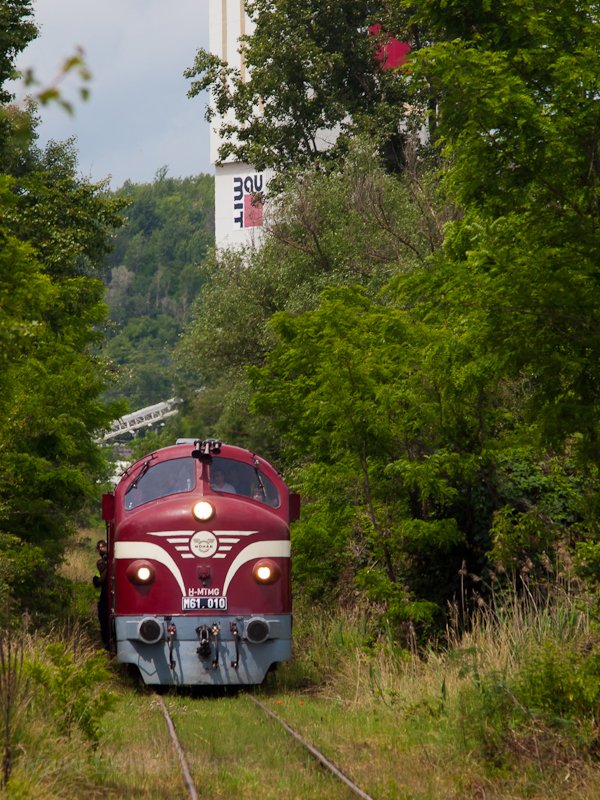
263, 573
266, 571
203, 510
141, 573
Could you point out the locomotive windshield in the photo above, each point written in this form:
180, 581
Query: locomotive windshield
235, 477
160, 480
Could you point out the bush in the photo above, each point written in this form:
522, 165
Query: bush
545, 706
73, 687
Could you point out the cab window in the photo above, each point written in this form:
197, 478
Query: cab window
161, 480
235, 477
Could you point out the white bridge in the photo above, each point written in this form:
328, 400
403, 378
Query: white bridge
144, 418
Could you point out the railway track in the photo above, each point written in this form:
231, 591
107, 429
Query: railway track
316, 754
187, 776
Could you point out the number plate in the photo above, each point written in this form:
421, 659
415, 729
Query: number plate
204, 604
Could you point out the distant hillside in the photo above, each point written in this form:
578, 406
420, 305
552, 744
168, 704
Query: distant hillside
152, 278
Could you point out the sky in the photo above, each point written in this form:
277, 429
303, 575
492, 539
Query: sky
138, 118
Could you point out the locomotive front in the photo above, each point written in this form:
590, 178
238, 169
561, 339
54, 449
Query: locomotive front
199, 565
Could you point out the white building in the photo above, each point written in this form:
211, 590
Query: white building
238, 211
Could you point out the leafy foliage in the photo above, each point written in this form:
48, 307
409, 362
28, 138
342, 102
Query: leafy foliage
54, 229
48, 327
350, 388
73, 689
152, 277
545, 708
355, 227
426, 366
311, 80
17, 29
523, 163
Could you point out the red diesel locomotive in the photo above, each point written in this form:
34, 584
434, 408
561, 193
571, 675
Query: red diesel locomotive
198, 586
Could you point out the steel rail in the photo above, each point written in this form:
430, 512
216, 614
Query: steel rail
323, 760
182, 759
314, 752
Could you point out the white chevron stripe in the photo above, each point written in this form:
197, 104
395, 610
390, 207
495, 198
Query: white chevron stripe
189, 534
151, 551
264, 549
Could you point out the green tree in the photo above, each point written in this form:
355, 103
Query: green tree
311, 80
518, 274
523, 163
17, 29
152, 277
51, 382
419, 404
369, 406
54, 229
358, 226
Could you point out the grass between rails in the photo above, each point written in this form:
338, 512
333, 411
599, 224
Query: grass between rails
235, 750
509, 709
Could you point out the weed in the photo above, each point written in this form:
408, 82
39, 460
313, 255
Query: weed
74, 687
13, 696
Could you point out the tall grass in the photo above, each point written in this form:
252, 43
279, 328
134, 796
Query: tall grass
505, 705
58, 694
510, 702
13, 698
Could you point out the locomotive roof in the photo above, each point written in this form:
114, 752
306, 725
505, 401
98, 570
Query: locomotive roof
183, 447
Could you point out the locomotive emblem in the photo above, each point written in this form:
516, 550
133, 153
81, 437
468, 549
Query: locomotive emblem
204, 544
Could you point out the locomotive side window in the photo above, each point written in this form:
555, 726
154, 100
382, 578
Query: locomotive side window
235, 477
161, 480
